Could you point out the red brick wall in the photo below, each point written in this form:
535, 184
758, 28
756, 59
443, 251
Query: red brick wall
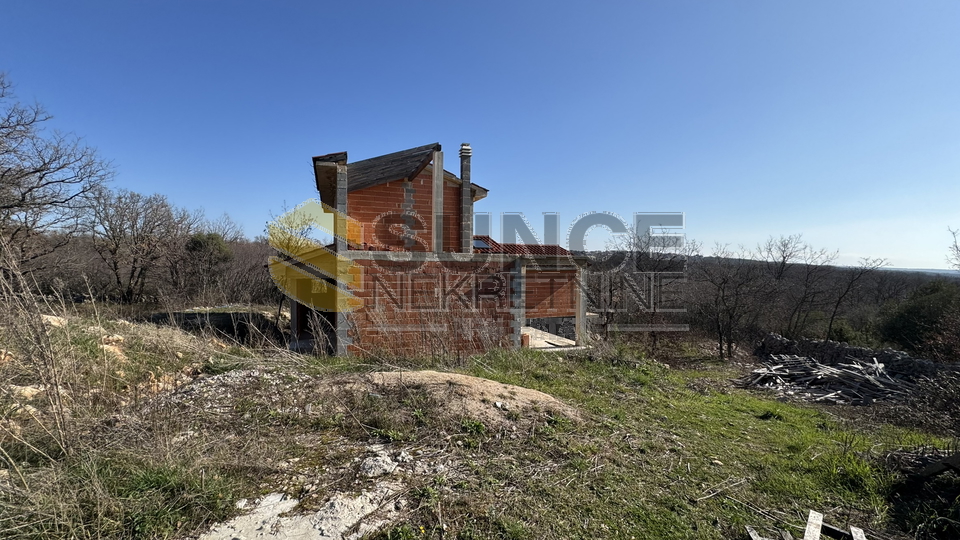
423, 206
551, 294
451, 217
367, 205
438, 309
379, 207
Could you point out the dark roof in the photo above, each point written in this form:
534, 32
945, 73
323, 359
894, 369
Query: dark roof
390, 167
519, 249
402, 165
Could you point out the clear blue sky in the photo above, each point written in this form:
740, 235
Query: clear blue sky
837, 120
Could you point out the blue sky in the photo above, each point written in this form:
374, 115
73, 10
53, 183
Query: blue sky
837, 120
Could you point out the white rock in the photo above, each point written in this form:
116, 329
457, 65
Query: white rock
342, 517
53, 320
373, 467
112, 339
25, 392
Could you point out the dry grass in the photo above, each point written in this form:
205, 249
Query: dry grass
121, 430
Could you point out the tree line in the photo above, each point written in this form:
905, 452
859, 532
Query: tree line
785, 286
70, 233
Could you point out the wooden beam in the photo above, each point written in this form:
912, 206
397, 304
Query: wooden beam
952, 462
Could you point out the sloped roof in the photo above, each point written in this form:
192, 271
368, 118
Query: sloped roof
519, 249
390, 167
401, 165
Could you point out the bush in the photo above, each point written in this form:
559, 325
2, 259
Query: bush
914, 324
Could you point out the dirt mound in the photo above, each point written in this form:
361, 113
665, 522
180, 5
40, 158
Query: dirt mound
383, 400
463, 395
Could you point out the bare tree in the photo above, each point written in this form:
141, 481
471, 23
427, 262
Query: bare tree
781, 254
246, 278
228, 229
849, 281
135, 235
799, 274
953, 257
656, 263
731, 288
45, 180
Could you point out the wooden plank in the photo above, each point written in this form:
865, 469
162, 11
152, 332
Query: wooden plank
814, 522
754, 535
784, 535
932, 470
953, 462
857, 533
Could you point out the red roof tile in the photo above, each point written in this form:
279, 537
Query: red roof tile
519, 249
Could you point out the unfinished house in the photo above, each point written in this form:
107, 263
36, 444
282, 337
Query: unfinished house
426, 284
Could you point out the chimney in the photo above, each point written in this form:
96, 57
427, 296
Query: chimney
466, 200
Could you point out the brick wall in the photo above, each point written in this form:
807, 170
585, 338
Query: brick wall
551, 294
451, 217
432, 309
379, 207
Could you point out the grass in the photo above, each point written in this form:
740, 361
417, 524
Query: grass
654, 456
660, 452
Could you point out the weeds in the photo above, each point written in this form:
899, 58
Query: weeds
107, 449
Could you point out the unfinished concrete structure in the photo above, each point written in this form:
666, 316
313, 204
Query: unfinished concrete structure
429, 286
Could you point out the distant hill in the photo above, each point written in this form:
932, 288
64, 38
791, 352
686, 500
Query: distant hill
941, 271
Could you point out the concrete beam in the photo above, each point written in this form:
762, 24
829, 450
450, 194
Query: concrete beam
437, 201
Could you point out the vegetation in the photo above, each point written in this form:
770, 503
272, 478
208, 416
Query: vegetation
118, 429
784, 286
657, 452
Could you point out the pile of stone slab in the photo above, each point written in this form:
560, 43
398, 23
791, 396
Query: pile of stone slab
854, 382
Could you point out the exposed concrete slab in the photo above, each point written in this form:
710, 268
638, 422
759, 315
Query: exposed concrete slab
545, 340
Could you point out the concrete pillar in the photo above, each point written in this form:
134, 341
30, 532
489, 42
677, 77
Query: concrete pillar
339, 320
437, 201
466, 200
518, 300
580, 322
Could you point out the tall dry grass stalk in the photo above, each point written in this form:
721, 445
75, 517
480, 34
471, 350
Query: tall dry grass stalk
442, 336
25, 318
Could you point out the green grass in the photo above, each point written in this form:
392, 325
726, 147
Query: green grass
644, 460
660, 453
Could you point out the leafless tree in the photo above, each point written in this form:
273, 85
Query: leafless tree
953, 257
731, 289
781, 254
635, 278
800, 281
135, 235
246, 278
45, 180
849, 281
659, 261
226, 227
